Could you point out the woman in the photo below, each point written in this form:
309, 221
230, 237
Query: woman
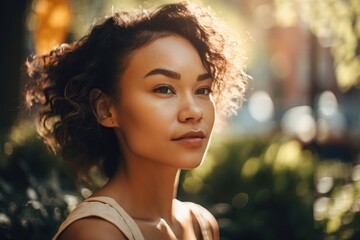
136, 97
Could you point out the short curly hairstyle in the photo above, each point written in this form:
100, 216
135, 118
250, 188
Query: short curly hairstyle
60, 82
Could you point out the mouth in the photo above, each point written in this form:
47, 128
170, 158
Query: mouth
198, 134
192, 139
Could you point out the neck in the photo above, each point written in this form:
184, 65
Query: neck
146, 189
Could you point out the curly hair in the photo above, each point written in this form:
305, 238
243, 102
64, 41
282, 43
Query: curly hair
60, 82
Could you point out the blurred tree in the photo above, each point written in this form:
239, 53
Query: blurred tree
51, 20
336, 23
36, 190
12, 18
336, 208
51, 28
257, 189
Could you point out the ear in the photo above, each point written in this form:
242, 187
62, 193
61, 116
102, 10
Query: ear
103, 108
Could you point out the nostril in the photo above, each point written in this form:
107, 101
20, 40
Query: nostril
190, 111
191, 116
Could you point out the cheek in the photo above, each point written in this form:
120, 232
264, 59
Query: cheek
209, 112
141, 126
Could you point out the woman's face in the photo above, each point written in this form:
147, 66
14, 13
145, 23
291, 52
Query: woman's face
165, 113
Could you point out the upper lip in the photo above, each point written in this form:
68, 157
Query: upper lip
191, 134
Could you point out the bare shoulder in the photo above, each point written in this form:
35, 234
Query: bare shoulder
92, 228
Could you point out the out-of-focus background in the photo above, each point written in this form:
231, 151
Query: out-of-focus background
287, 166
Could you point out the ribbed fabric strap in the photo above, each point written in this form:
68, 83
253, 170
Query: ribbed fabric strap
107, 209
199, 213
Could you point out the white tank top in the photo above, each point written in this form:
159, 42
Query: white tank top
108, 209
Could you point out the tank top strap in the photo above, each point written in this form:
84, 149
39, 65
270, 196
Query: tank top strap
201, 215
107, 209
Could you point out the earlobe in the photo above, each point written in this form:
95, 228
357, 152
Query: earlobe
102, 108
109, 121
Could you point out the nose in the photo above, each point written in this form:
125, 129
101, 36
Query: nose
190, 111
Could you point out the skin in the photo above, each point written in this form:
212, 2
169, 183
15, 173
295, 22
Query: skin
163, 94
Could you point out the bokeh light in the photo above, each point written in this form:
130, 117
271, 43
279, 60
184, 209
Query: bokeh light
286, 167
261, 106
300, 122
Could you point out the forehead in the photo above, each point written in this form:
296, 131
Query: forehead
172, 52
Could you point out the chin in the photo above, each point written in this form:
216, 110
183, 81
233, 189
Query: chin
192, 164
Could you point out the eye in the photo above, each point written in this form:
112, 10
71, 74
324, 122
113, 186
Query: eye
164, 90
204, 91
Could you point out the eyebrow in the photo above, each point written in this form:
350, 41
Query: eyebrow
175, 75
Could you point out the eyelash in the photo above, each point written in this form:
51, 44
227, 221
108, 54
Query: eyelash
206, 89
159, 89
164, 89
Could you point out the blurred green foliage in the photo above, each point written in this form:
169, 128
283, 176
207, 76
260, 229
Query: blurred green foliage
336, 24
258, 189
268, 188
277, 188
35, 188
337, 203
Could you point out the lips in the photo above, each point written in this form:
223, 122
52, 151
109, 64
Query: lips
191, 140
192, 134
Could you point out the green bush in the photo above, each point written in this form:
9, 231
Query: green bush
256, 188
36, 192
